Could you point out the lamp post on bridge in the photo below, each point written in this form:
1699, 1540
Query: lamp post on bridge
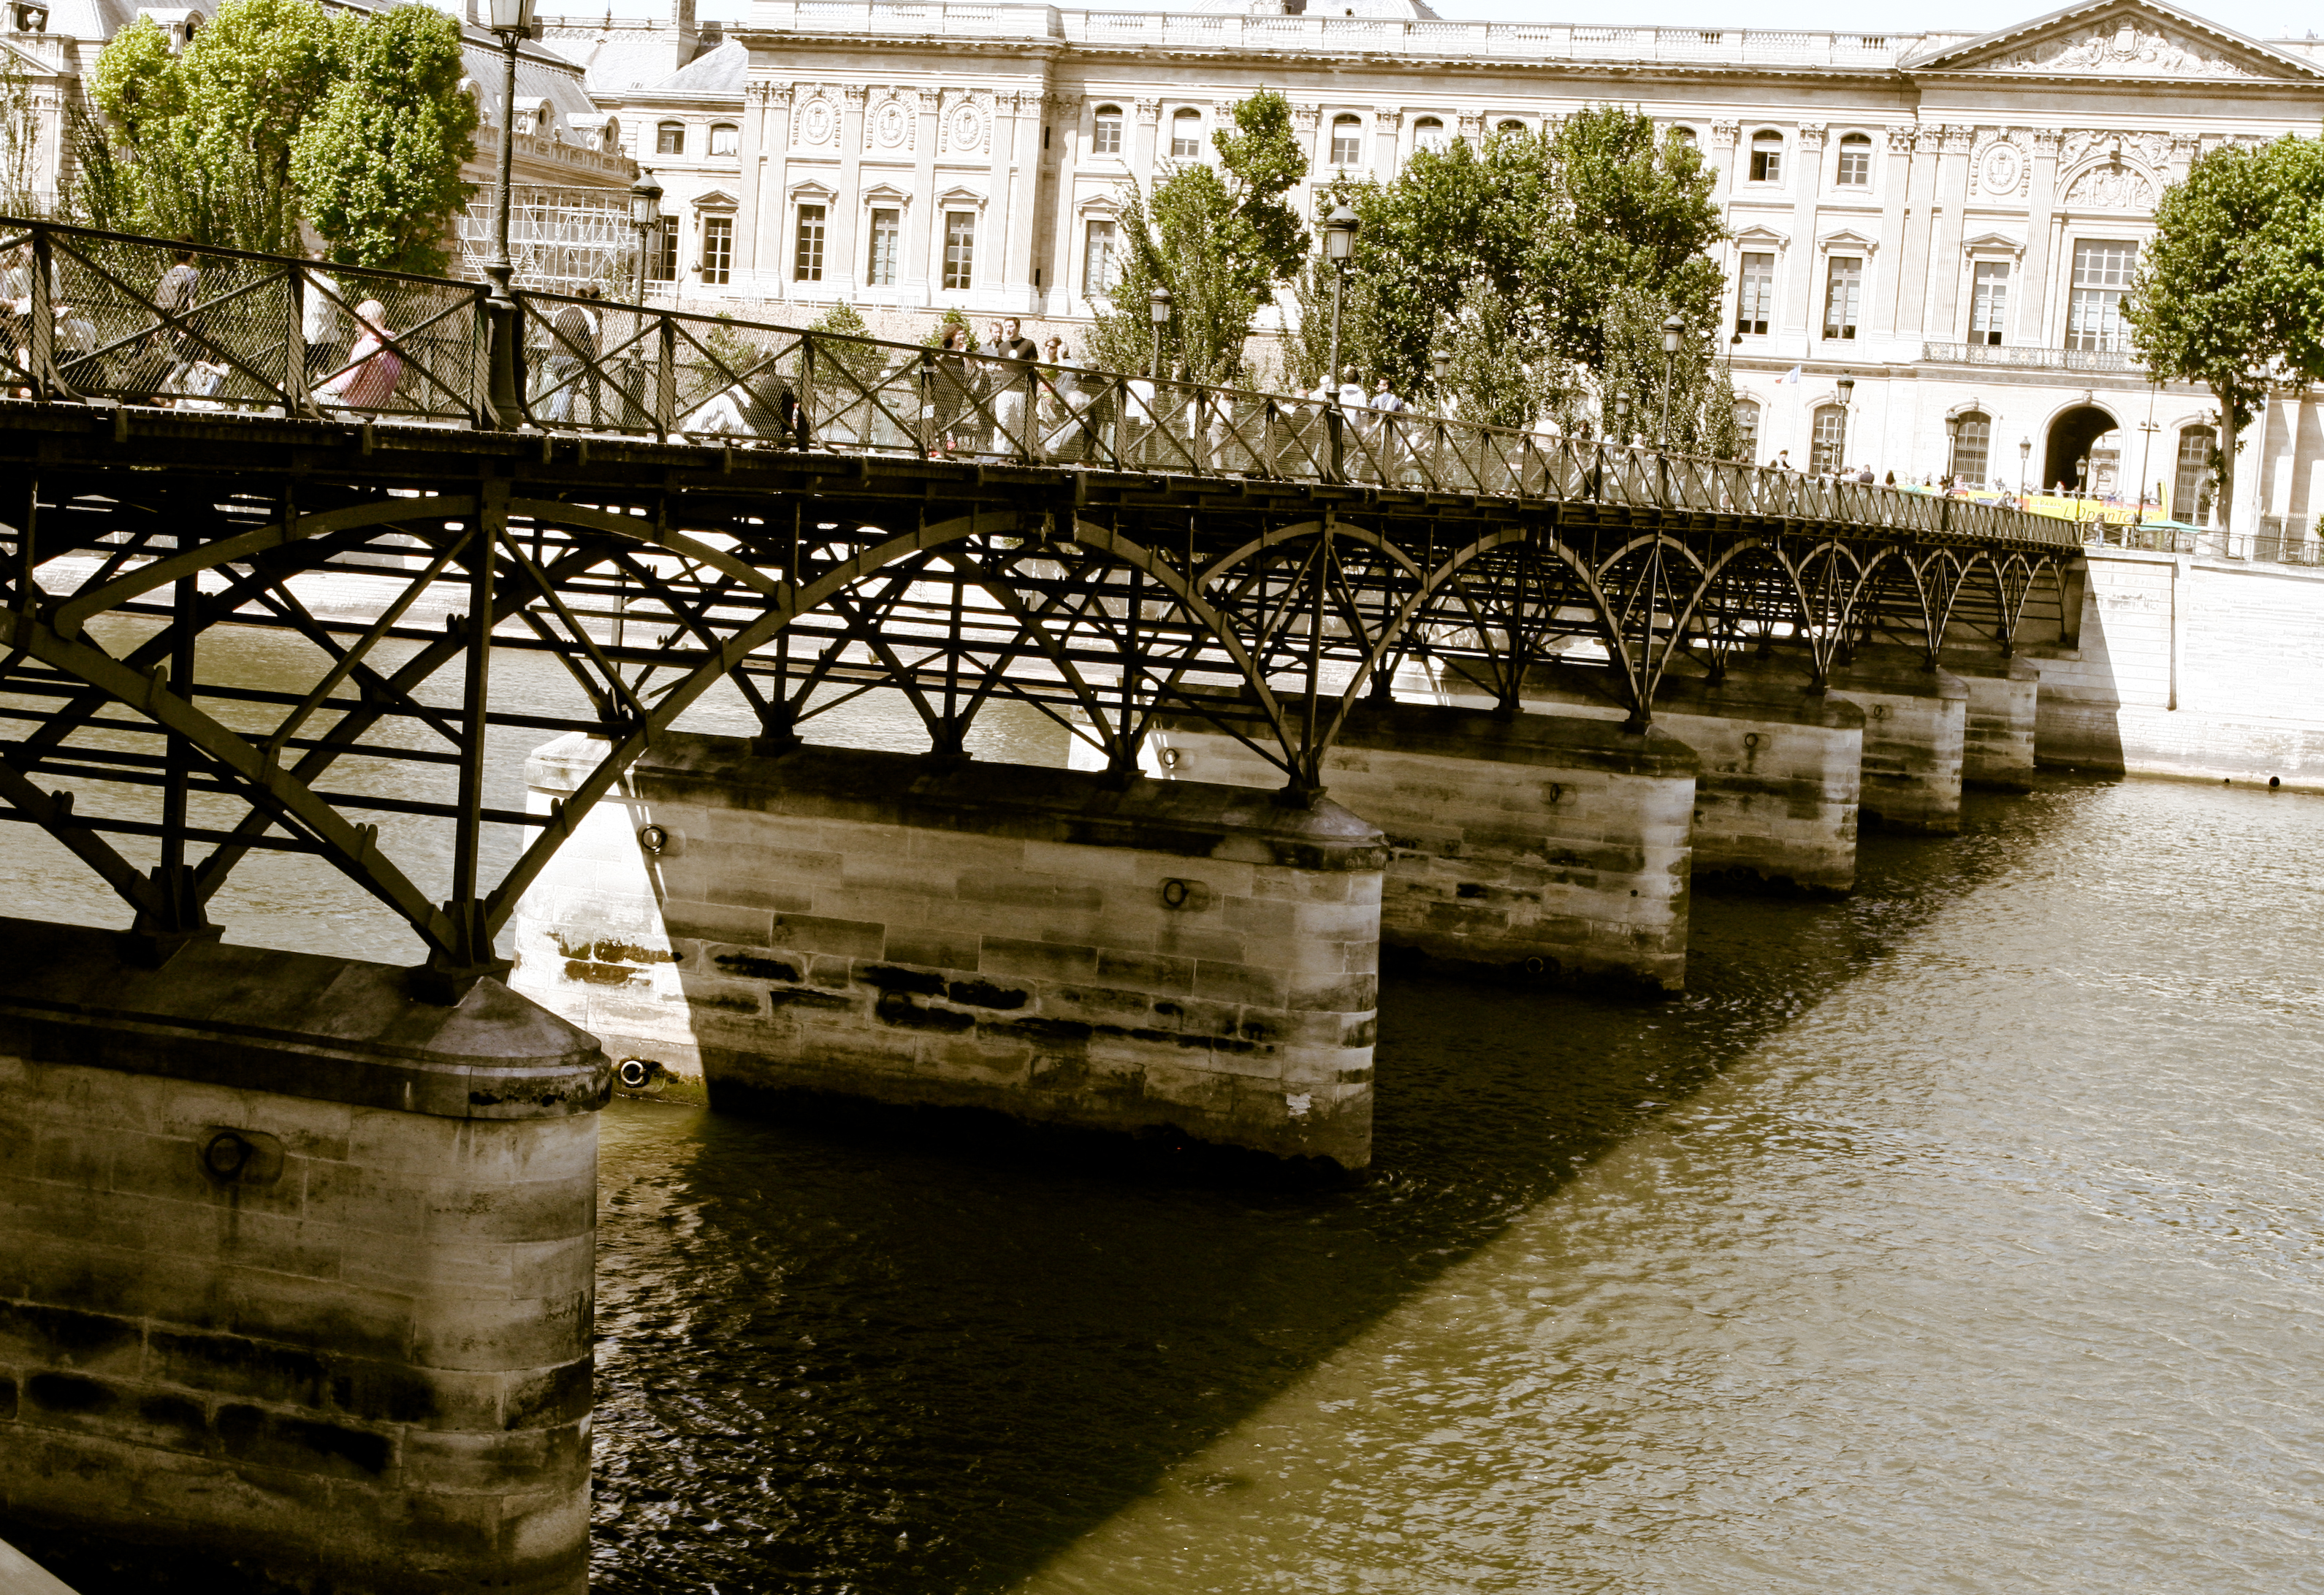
1339, 249
1158, 306
1846, 387
2025, 462
1439, 363
645, 216
1622, 420
512, 21
1952, 448
1674, 329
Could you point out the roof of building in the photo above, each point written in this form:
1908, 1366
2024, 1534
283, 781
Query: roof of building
720, 72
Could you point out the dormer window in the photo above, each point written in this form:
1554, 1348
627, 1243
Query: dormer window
1186, 134
1767, 157
1855, 162
1106, 139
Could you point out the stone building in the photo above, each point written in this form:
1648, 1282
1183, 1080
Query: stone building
1949, 221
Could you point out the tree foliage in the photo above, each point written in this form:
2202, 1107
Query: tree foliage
380, 162
2230, 292
1219, 237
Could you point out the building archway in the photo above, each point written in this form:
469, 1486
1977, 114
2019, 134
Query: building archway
2071, 437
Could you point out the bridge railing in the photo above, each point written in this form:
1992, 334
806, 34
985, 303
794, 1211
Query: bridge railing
93, 315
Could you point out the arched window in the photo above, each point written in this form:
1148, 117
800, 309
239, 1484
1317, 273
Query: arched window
1747, 431
1767, 157
1186, 134
1972, 442
1428, 133
1511, 124
1855, 162
669, 139
1825, 440
725, 138
1684, 135
2190, 486
1106, 139
1347, 141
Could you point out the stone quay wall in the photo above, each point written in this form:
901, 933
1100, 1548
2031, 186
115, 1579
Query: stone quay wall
1160, 956
295, 1273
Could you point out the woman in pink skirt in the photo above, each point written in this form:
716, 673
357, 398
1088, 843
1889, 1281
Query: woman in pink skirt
374, 367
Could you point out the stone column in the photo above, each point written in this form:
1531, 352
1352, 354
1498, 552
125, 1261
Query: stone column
1804, 302
1945, 267
842, 270
766, 173
1721, 152
1141, 152
1024, 126
923, 244
2041, 224
299, 1270
1064, 208
1912, 272
1896, 196
1387, 144
1307, 120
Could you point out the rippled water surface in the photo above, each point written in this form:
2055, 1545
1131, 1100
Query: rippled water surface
1962, 1236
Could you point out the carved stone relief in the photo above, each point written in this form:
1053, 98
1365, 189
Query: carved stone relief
817, 122
1999, 170
890, 126
2124, 49
2111, 186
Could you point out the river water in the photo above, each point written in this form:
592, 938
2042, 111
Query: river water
1962, 1236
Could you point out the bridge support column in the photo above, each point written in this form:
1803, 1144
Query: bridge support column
1544, 850
295, 1273
1998, 731
1915, 722
1065, 951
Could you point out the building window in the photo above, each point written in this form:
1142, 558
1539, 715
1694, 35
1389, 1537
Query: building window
1107, 139
806, 254
1843, 295
1971, 444
1185, 136
1767, 157
661, 252
1754, 303
887, 248
1855, 162
959, 248
1428, 133
1829, 431
1683, 135
1746, 432
1988, 302
2191, 488
2094, 312
1098, 261
1510, 125
725, 138
717, 249
669, 139
1347, 141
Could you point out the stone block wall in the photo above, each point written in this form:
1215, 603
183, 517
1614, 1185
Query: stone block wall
1036, 942
255, 1310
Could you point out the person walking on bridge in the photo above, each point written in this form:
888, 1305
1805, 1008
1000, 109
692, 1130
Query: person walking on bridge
1012, 405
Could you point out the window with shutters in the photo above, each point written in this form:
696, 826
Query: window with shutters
1767, 157
1106, 138
1185, 136
887, 247
1754, 301
1988, 302
1855, 162
1347, 141
807, 252
1843, 295
2102, 272
959, 248
1098, 260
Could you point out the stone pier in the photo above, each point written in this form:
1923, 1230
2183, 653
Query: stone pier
1545, 850
297, 1272
1915, 728
1143, 957
2000, 718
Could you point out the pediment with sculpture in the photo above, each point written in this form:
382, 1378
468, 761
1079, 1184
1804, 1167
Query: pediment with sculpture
2121, 39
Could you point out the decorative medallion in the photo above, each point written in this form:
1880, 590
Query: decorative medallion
816, 122
889, 125
1998, 171
967, 128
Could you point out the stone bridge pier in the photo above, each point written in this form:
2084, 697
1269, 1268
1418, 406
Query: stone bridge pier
296, 1271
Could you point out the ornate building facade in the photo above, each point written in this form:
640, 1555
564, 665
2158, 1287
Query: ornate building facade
1947, 221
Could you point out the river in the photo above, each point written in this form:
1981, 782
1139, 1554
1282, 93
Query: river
1961, 1236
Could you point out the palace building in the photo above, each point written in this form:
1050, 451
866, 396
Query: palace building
1948, 221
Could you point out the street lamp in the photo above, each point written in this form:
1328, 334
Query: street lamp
645, 216
2025, 461
512, 20
1157, 305
1846, 386
1439, 364
1622, 419
1952, 446
2082, 475
1674, 329
1340, 249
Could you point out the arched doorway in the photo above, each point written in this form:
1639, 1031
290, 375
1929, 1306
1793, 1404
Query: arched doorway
2073, 438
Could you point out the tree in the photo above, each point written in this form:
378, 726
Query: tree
2230, 292
1219, 237
379, 161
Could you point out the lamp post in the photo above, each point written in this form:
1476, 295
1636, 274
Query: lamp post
1847, 388
1674, 329
1157, 305
1622, 419
645, 216
2146, 445
512, 21
1439, 362
1952, 446
2025, 462
2082, 477
1339, 249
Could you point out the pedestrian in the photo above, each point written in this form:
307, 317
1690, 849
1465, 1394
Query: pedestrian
1892, 480
1352, 395
1864, 475
1388, 440
1135, 446
947, 378
1011, 405
318, 320
1783, 459
374, 367
169, 350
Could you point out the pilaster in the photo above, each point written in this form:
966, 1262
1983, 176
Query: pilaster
1896, 185
1945, 275
1387, 144
1019, 117
1804, 304
1913, 274
766, 129
1722, 151
920, 241
1141, 153
2034, 292
840, 268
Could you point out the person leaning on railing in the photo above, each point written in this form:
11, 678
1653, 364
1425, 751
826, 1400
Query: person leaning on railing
572, 348
374, 367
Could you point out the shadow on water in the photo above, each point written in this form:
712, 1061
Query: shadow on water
829, 1362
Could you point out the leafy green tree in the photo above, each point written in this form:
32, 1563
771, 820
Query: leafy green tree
1627, 213
1219, 237
380, 160
1701, 388
2230, 292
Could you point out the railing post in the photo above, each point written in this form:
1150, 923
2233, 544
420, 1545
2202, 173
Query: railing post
41, 341
808, 425
503, 401
294, 344
665, 374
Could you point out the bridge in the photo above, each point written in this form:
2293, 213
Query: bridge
1489, 697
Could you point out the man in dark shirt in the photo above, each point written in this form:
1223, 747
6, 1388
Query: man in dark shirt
1013, 403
